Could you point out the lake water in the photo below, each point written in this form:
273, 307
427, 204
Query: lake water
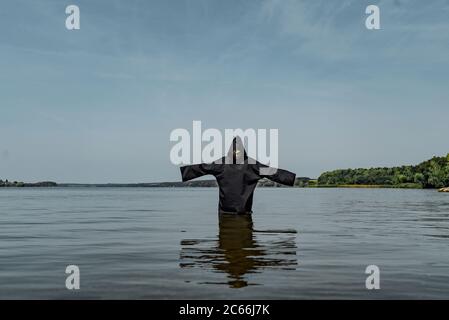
160, 243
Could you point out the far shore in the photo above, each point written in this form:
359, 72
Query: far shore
432, 174
300, 183
371, 186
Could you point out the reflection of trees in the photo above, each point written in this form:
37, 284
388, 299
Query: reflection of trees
240, 250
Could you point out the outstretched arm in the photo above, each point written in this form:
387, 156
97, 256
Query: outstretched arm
277, 175
197, 170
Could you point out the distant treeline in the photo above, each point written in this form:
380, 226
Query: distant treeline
433, 173
212, 183
7, 183
300, 182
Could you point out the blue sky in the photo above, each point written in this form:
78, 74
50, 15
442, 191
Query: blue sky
98, 104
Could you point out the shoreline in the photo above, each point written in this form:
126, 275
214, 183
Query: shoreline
206, 185
301, 182
374, 186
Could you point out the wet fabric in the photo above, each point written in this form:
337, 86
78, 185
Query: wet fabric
237, 176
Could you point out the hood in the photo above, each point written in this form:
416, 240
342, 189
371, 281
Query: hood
236, 153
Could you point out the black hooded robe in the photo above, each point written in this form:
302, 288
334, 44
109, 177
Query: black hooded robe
237, 177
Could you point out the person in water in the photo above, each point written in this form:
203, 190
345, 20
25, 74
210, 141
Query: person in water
237, 176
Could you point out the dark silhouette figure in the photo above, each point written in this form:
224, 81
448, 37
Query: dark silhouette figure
237, 252
237, 177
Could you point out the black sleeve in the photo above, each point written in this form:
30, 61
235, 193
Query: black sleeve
277, 175
197, 170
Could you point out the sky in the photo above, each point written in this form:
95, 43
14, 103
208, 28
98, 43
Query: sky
98, 104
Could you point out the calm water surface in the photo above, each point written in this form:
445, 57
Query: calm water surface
140, 243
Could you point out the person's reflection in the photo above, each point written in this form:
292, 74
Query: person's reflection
237, 251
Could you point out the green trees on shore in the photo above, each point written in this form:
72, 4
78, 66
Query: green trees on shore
433, 173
